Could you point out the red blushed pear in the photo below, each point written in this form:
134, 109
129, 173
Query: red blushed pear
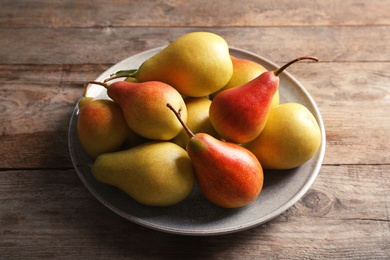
239, 114
243, 71
101, 127
227, 174
143, 107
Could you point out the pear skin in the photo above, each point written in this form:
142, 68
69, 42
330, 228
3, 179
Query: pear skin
239, 114
196, 64
153, 173
244, 71
84, 101
101, 127
290, 138
144, 109
227, 174
198, 120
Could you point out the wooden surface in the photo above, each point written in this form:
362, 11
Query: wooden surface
50, 49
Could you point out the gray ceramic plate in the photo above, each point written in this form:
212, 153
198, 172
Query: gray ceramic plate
195, 215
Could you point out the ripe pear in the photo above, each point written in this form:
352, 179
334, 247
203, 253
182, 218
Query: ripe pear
239, 114
245, 70
198, 120
158, 173
196, 64
290, 137
227, 174
84, 101
101, 127
143, 106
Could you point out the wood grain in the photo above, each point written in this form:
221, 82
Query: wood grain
202, 13
44, 219
50, 49
110, 45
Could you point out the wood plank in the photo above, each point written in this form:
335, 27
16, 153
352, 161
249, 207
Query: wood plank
110, 45
50, 214
50, 49
200, 13
55, 74
35, 116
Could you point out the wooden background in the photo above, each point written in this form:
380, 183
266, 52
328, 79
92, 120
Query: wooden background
50, 49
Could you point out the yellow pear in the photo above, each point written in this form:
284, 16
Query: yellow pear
197, 120
196, 64
158, 173
290, 138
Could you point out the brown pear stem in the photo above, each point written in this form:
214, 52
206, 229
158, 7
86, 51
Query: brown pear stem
99, 83
189, 132
280, 70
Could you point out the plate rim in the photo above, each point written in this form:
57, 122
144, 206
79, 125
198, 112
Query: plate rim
226, 230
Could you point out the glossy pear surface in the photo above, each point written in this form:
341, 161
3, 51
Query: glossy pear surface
239, 114
101, 127
244, 71
154, 173
198, 120
196, 64
290, 138
227, 174
144, 108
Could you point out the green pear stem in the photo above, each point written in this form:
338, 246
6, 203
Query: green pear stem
122, 74
281, 69
177, 114
99, 83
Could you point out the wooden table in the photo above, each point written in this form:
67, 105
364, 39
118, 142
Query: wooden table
50, 49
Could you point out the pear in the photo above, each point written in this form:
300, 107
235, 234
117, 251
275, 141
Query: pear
227, 174
143, 106
84, 101
158, 173
130, 79
239, 114
101, 127
198, 120
290, 137
245, 70
196, 64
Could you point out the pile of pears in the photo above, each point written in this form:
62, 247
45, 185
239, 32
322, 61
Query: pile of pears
193, 114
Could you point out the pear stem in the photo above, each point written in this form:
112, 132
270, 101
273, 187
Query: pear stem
280, 70
99, 83
131, 75
189, 132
